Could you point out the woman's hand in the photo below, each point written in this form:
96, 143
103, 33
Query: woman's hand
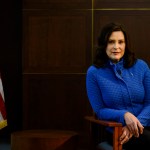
133, 124
126, 135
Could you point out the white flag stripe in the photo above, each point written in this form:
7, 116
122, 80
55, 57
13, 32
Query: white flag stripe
1, 89
1, 117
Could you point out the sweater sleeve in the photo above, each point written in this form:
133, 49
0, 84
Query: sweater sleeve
96, 100
144, 116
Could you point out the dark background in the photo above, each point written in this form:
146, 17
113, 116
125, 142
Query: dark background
11, 63
46, 48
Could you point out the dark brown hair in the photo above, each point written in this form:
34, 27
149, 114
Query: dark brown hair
101, 57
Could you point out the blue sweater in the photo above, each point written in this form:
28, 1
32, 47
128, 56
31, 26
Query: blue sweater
115, 90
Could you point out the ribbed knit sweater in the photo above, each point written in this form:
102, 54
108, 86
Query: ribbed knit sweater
114, 90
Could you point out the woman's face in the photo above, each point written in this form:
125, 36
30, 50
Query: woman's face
116, 46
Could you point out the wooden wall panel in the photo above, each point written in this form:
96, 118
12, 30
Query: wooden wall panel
136, 22
57, 4
54, 101
123, 4
56, 41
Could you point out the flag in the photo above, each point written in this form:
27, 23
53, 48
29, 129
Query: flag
3, 119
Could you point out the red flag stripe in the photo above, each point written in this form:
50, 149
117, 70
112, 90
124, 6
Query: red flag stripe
2, 107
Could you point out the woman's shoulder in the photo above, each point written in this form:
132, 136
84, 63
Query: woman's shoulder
92, 69
141, 65
141, 62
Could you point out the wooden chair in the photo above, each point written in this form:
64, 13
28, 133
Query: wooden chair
98, 136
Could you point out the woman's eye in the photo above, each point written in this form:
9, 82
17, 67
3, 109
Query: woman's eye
110, 41
120, 42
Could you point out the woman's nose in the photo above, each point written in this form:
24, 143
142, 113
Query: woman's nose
115, 45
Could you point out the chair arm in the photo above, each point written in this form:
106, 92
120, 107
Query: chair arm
103, 122
117, 129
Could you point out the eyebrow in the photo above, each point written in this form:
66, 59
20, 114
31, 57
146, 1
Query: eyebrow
114, 39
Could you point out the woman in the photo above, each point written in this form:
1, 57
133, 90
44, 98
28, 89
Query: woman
118, 87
